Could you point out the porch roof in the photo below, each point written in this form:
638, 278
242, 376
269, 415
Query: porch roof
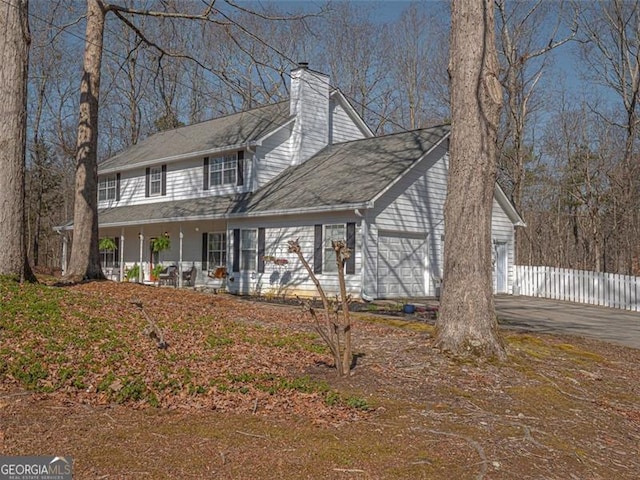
340, 177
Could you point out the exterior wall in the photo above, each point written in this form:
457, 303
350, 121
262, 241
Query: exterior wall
503, 232
341, 126
273, 156
415, 205
184, 180
292, 278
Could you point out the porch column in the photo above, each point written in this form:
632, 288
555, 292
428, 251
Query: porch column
121, 253
141, 270
180, 259
65, 246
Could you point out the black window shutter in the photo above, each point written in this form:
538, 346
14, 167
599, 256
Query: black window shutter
117, 187
241, 168
261, 238
205, 251
351, 244
147, 174
317, 249
205, 178
236, 249
164, 180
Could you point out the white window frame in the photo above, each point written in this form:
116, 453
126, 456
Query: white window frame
328, 253
107, 188
110, 258
223, 170
155, 181
249, 253
220, 252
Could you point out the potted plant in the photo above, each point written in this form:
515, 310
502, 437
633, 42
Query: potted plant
133, 274
161, 243
107, 244
156, 270
158, 245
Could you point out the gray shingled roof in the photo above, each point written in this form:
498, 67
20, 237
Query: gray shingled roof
340, 176
236, 129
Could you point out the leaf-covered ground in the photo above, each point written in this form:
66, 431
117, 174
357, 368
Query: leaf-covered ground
245, 390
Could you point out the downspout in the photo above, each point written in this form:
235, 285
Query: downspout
363, 231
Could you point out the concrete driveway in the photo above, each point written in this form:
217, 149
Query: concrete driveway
553, 316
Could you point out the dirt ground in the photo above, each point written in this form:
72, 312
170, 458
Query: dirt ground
559, 408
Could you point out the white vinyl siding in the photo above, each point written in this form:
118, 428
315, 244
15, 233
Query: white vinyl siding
504, 240
274, 156
342, 127
291, 278
184, 181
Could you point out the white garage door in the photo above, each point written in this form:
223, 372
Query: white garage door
400, 266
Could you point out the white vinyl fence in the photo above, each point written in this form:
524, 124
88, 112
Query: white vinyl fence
594, 288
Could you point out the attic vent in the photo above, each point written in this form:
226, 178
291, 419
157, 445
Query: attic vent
303, 64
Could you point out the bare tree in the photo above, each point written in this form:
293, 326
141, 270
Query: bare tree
14, 58
84, 262
335, 326
524, 52
468, 323
611, 52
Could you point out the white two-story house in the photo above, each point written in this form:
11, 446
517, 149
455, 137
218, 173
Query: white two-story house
233, 190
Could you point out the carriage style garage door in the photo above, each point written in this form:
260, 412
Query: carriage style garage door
401, 265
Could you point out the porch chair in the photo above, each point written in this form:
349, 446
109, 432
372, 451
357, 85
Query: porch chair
218, 278
189, 277
168, 276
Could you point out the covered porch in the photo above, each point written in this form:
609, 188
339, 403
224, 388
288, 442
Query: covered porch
197, 250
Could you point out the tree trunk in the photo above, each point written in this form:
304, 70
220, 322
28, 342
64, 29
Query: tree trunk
467, 324
14, 61
85, 257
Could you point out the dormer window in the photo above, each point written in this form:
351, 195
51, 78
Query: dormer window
224, 170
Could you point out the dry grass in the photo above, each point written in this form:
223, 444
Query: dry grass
245, 393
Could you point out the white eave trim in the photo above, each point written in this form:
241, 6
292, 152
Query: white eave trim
508, 207
175, 158
275, 130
